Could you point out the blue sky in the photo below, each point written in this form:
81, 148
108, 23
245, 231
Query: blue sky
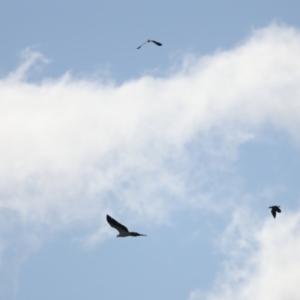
188, 143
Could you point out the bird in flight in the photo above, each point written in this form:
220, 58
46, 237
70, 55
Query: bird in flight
275, 209
123, 231
149, 41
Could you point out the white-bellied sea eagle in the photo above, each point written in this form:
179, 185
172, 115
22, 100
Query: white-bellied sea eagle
275, 209
149, 41
123, 231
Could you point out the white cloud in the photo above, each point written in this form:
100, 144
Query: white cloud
73, 150
264, 261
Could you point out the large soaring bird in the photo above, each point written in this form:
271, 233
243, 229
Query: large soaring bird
275, 209
149, 41
123, 231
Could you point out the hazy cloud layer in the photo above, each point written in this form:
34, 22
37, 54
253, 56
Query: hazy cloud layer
73, 149
263, 263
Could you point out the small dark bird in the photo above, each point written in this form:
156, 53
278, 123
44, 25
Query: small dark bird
123, 231
275, 209
149, 41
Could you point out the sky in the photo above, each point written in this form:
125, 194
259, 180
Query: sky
188, 143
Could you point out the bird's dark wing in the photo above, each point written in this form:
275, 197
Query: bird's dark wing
143, 44
115, 224
273, 211
278, 209
157, 43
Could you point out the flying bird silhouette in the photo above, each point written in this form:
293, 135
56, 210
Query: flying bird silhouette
275, 209
123, 231
149, 41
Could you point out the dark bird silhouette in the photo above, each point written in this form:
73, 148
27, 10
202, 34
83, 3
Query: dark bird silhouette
149, 41
275, 209
123, 231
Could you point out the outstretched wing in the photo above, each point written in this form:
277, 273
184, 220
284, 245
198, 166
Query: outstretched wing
273, 211
278, 209
143, 44
157, 43
115, 224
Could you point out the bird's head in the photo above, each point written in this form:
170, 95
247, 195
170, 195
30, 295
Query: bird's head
136, 234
